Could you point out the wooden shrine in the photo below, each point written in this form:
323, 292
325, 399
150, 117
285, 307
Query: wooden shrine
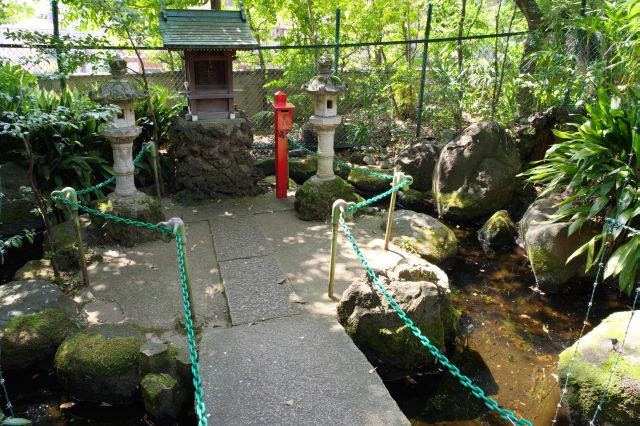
209, 40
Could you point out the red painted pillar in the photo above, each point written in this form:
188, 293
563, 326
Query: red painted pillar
283, 115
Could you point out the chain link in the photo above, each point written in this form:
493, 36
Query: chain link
343, 165
93, 188
201, 409
455, 371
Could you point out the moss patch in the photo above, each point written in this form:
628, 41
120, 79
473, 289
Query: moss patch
543, 260
314, 199
35, 337
154, 384
369, 183
302, 170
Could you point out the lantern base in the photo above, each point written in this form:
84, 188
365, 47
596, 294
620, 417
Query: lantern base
140, 207
314, 199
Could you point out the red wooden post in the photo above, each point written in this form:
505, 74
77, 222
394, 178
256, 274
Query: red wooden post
283, 115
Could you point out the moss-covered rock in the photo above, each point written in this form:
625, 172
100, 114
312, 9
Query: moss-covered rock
302, 170
422, 291
101, 363
549, 245
141, 207
29, 339
163, 397
39, 269
271, 180
267, 165
314, 199
596, 355
476, 173
16, 203
369, 183
423, 235
411, 199
498, 231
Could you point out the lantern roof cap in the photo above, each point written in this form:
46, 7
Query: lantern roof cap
119, 89
325, 82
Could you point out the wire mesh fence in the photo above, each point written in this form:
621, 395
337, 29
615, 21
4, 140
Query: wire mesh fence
466, 79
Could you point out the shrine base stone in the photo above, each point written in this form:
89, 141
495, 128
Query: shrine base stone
140, 207
212, 159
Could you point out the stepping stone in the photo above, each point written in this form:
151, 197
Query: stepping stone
256, 290
237, 237
299, 370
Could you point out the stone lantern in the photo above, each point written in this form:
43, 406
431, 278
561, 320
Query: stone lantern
126, 200
324, 89
314, 199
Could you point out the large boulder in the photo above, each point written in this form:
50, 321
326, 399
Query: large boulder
549, 245
498, 231
314, 199
31, 339
301, 170
423, 235
596, 355
422, 291
19, 298
212, 158
101, 363
418, 160
476, 173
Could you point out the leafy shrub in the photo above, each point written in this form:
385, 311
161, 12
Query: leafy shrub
598, 165
62, 130
165, 106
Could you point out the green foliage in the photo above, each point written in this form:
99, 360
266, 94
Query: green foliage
63, 133
66, 53
165, 105
597, 165
16, 241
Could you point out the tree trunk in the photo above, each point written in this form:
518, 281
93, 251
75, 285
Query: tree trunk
41, 202
314, 30
216, 5
458, 111
263, 68
533, 15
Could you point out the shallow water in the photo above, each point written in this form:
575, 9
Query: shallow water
510, 340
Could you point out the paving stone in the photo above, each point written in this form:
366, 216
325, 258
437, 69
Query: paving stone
299, 370
256, 290
100, 312
238, 236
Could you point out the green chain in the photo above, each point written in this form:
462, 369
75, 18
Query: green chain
464, 380
344, 165
193, 351
112, 178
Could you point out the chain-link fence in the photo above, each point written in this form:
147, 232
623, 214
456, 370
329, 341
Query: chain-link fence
466, 78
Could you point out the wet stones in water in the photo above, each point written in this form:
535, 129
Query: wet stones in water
213, 158
476, 173
549, 245
451, 401
422, 291
419, 160
590, 373
423, 235
498, 231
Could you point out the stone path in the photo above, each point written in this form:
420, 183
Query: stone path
277, 355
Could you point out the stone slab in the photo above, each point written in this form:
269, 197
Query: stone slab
237, 236
256, 290
299, 370
145, 281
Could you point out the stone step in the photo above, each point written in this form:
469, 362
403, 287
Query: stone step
298, 370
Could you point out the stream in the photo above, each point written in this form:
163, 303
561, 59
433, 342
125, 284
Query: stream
509, 341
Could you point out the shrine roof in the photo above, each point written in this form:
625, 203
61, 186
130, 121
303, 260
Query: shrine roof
206, 29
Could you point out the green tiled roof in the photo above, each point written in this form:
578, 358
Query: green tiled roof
206, 29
